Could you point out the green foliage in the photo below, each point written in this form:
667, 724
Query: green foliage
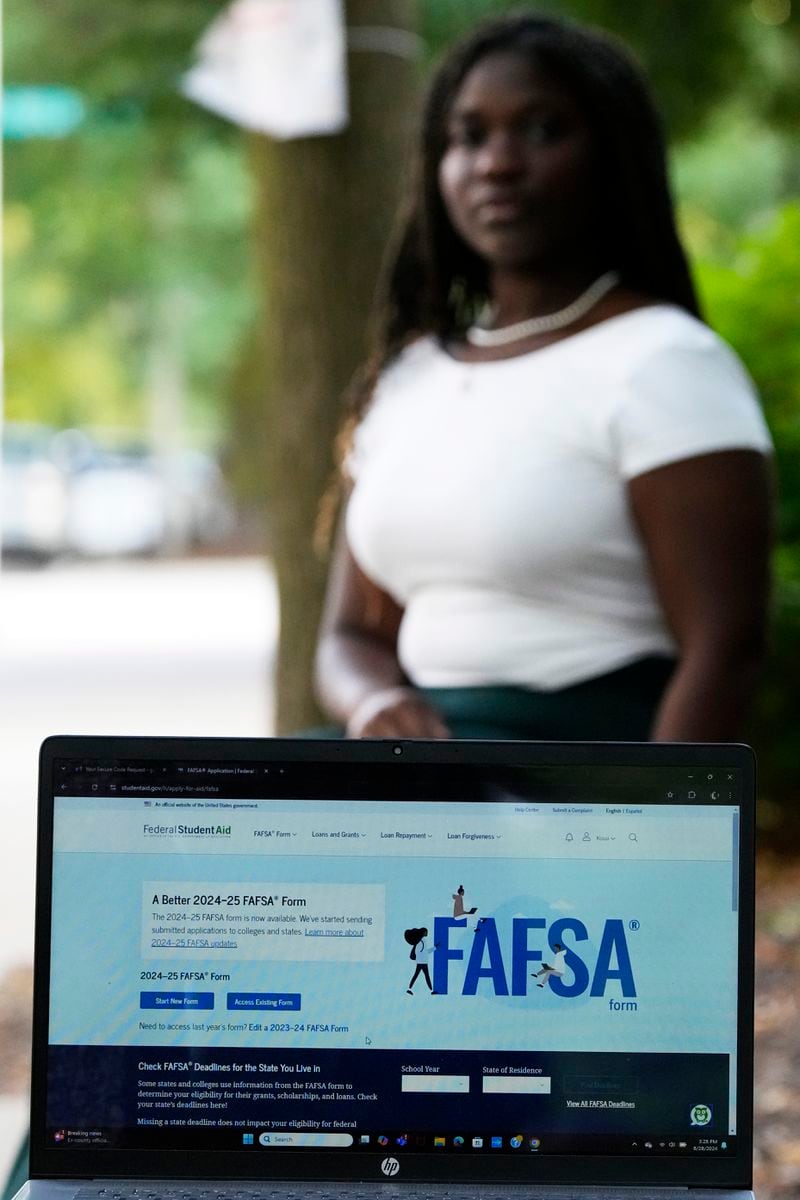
773, 66
753, 300
144, 210
118, 54
732, 174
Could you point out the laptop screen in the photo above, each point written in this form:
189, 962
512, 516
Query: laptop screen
420, 960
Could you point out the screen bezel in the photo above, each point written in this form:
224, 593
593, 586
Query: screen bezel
65, 1162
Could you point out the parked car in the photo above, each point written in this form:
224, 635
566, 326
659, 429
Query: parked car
129, 501
117, 505
65, 492
34, 482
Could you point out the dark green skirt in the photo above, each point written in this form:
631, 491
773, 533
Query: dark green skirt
617, 707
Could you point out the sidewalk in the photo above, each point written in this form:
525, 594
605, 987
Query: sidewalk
179, 648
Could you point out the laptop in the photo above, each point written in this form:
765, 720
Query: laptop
291, 968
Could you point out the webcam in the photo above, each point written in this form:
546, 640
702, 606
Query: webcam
397, 749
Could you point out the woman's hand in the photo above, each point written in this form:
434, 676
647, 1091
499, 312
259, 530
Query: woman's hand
396, 712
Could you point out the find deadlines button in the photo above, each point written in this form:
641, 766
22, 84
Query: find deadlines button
264, 1001
172, 1000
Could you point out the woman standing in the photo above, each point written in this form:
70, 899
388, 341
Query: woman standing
558, 521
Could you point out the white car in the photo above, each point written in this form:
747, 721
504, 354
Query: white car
117, 505
132, 502
64, 492
33, 492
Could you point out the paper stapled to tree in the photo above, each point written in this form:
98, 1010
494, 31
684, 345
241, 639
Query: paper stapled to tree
275, 66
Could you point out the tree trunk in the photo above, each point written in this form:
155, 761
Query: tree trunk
324, 210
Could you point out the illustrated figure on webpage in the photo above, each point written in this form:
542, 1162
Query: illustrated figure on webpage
557, 968
421, 953
458, 904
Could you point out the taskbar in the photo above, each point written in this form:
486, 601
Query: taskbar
207, 1136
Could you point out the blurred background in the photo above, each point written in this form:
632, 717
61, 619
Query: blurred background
186, 298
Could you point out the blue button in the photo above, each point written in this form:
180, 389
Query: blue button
265, 1001
176, 1000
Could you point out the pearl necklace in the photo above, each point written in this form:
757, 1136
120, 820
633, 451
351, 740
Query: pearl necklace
479, 335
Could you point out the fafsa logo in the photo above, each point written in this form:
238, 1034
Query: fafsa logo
485, 959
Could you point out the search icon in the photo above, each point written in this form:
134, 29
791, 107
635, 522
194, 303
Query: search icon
632, 837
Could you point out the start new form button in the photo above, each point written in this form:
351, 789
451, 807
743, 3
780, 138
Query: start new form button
264, 1001
195, 1000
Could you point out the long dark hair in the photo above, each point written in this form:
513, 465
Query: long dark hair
433, 283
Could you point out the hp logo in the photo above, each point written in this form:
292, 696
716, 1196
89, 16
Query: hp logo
390, 1167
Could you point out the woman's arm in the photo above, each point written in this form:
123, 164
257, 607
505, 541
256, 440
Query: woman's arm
707, 525
358, 676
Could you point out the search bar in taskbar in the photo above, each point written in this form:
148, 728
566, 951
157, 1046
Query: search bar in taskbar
287, 1138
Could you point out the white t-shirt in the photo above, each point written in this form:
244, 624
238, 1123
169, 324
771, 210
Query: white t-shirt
490, 498
422, 953
558, 963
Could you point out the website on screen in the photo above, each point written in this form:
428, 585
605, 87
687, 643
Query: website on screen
503, 977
